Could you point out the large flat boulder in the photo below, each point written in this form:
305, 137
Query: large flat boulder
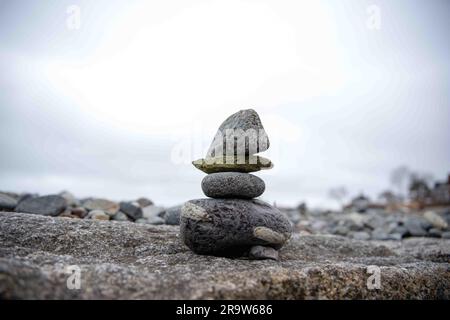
124, 260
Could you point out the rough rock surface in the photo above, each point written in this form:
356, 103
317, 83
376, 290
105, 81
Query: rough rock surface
123, 260
230, 227
233, 185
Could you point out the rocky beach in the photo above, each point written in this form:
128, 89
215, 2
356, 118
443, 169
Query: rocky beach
230, 245
247, 151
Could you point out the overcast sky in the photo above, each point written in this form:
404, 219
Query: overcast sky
118, 104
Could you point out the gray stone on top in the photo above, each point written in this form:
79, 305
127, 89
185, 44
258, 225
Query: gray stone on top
232, 185
242, 133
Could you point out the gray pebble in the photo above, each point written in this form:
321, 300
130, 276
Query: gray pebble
172, 215
262, 252
131, 209
361, 235
7, 202
232, 185
120, 216
51, 205
435, 233
152, 220
109, 207
144, 202
98, 215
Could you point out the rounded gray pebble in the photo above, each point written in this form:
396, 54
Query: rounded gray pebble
262, 252
51, 205
172, 216
232, 185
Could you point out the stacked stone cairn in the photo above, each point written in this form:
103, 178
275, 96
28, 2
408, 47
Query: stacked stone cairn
231, 222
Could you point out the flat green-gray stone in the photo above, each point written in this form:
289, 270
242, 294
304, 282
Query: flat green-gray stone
230, 164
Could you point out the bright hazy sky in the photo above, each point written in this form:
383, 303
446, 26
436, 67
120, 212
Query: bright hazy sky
120, 106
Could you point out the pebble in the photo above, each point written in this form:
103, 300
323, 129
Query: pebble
51, 205
361, 235
435, 232
153, 220
79, 211
68, 214
120, 216
400, 230
172, 216
341, 230
98, 215
415, 227
132, 209
7, 202
153, 211
380, 234
25, 196
247, 128
263, 252
70, 198
232, 185
109, 207
395, 236
436, 220
144, 202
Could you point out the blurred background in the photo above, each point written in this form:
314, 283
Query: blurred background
115, 99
